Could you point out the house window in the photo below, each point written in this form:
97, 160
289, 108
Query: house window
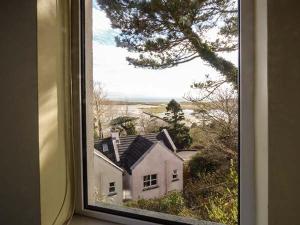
105, 147
112, 187
175, 175
150, 180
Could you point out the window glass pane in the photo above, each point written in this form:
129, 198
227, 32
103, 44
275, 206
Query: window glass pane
153, 182
174, 175
105, 147
147, 184
146, 178
164, 107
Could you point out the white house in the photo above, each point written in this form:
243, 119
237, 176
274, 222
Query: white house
108, 180
150, 163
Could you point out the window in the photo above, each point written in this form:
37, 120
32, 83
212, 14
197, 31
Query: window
150, 181
105, 147
174, 175
112, 187
141, 93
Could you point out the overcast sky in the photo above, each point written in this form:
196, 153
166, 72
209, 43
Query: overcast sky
125, 82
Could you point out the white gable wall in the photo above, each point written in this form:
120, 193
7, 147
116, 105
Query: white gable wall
105, 173
161, 161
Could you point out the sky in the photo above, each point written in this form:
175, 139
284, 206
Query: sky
122, 81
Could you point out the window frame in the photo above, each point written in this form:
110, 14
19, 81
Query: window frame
112, 186
105, 147
79, 20
150, 180
176, 175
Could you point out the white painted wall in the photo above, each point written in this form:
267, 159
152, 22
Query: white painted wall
105, 173
162, 162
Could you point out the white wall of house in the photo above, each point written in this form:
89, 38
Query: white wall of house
106, 172
161, 161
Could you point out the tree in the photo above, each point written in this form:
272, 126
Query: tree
217, 105
177, 130
124, 123
166, 33
174, 113
99, 101
150, 124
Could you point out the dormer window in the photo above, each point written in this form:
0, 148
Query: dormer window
105, 147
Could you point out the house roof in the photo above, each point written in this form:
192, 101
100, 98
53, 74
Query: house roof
131, 148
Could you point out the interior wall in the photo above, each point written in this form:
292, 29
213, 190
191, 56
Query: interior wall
19, 161
53, 95
284, 111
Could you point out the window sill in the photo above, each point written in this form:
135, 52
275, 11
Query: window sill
150, 188
98, 218
83, 220
174, 180
112, 194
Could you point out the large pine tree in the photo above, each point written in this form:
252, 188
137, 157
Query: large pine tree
166, 33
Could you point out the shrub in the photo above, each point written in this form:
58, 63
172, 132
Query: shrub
208, 161
224, 208
172, 203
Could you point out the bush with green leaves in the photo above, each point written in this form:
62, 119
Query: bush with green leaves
224, 208
211, 197
209, 161
172, 203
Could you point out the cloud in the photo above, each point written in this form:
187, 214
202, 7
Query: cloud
100, 21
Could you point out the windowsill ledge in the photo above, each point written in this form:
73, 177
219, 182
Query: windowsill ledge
174, 180
83, 220
112, 194
150, 188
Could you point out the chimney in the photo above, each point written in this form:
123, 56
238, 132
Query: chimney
116, 140
115, 137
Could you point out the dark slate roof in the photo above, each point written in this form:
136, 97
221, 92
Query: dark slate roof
131, 147
110, 153
135, 151
162, 137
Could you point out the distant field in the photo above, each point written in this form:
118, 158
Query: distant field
187, 105
155, 109
134, 103
184, 105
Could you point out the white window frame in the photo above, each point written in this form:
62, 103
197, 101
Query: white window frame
150, 180
112, 186
175, 173
247, 188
